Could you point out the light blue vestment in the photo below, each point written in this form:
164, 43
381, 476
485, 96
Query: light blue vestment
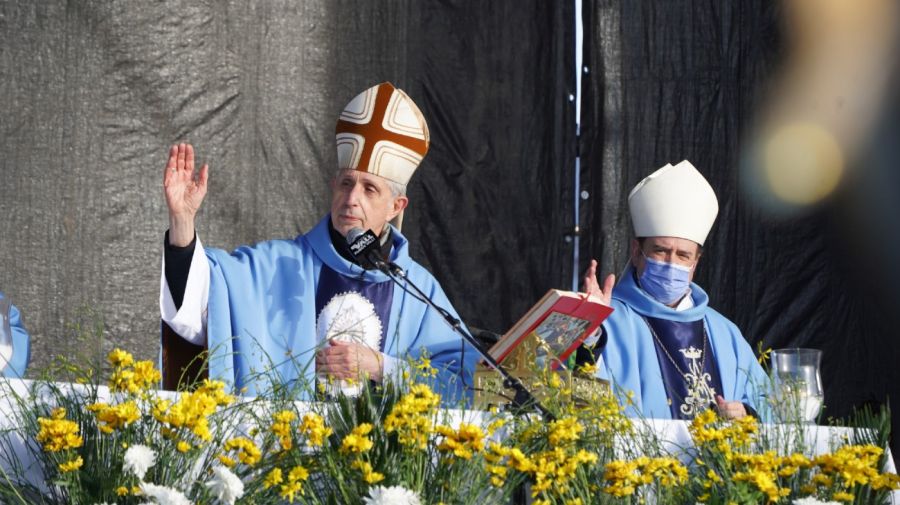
21, 345
630, 359
262, 320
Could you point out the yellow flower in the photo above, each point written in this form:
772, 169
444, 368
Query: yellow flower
887, 481
115, 417
519, 461
119, 358
58, 434
554, 381
192, 410
313, 426
822, 480
410, 418
843, 496
357, 441
227, 461
183, 446
424, 366
495, 425
564, 431
365, 467
625, 477
763, 354
284, 417
588, 368
133, 377
463, 443
121, 490
71, 466
146, 376
281, 427
762, 480
294, 483
247, 451
273, 478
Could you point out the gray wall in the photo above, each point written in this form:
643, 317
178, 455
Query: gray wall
92, 93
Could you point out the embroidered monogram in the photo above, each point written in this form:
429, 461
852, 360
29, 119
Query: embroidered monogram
700, 392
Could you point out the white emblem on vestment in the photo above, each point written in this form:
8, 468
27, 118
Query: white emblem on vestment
348, 317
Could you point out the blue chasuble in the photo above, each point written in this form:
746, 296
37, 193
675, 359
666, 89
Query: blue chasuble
691, 377
631, 361
261, 320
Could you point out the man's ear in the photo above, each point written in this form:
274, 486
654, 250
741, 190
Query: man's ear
400, 203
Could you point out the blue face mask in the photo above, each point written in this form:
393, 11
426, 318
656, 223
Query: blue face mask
666, 282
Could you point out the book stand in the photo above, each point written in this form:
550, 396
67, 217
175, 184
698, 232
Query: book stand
490, 389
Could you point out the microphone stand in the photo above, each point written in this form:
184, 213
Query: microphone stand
523, 398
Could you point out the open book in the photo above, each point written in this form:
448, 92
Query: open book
562, 319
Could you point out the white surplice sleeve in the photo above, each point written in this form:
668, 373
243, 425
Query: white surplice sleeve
189, 320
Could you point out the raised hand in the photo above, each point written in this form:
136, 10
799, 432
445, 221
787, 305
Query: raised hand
592, 287
185, 191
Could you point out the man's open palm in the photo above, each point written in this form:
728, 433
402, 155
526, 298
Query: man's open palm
184, 189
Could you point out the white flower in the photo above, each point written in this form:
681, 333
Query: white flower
139, 459
225, 485
394, 495
813, 501
164, 495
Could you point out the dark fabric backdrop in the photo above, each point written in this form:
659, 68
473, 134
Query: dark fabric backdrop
685, 80
92, 93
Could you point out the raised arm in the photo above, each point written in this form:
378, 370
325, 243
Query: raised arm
185, 191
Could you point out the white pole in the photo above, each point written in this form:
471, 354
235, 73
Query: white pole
579, 61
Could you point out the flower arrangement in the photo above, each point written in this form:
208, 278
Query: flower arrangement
124, 442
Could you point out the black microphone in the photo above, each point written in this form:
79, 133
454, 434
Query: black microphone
364, 246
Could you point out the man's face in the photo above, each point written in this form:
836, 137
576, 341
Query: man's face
679, 251
362, 200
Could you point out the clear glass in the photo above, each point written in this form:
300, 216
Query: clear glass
797, 384
6, 342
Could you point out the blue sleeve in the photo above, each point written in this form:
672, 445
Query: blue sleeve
756, 386
21, 346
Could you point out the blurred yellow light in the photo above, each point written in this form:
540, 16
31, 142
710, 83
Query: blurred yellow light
803, 163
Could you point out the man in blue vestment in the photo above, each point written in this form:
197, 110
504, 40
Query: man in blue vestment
15, 355
664, 345
287, 311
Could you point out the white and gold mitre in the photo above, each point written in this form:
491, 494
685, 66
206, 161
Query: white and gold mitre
382, 132
674, 201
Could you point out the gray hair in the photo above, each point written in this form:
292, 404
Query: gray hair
397, 189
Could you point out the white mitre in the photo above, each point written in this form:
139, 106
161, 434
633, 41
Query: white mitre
674, 201
382, 132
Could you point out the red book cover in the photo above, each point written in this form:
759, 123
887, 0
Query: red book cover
562, 319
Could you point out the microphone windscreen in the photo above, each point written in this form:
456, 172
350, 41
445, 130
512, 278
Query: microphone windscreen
354, 234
